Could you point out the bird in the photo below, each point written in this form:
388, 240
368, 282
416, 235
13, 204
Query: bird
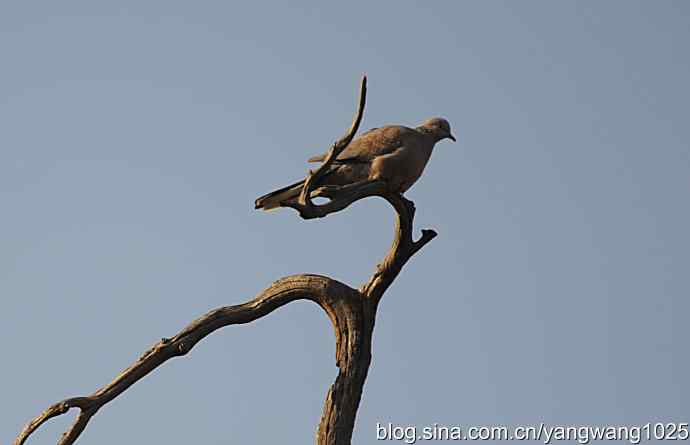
394, 154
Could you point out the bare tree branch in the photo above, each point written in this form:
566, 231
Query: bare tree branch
402, 249
304, 204
352, 312
334, 297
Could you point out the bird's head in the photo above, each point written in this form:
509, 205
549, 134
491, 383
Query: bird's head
439, 128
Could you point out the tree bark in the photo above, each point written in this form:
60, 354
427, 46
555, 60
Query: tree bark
351, 311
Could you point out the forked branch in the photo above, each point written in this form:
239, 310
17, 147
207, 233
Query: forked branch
352, 312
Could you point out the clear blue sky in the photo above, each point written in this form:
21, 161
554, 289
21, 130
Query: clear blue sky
136, 135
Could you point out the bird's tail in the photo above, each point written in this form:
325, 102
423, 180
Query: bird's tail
272, 200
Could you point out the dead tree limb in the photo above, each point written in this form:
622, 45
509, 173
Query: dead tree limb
304, 204
351, 311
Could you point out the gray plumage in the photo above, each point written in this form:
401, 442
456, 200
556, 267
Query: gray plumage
394, 153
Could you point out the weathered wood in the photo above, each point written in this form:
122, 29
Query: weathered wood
352, 312
304, 204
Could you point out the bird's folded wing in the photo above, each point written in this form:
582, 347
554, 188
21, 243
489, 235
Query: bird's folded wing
373, 143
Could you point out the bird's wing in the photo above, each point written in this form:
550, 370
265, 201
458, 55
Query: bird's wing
369, 145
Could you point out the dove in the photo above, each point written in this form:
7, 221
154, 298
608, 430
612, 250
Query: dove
394, 154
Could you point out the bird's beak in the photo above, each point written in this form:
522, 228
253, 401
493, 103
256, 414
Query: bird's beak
451, 137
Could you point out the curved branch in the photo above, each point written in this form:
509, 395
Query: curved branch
404, 245
402, 249
352, 312
342, 401
338, 300
304, 203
